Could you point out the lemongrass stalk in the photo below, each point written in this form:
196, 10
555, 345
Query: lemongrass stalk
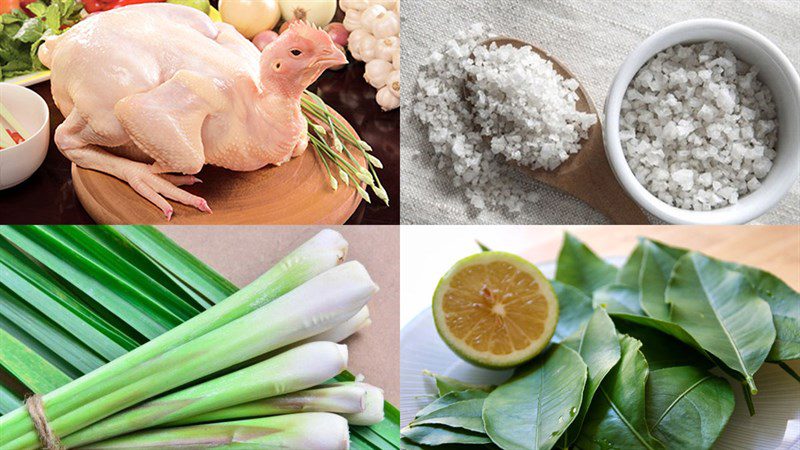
340, 398
373, 411
337, 333
345, 329
318, 305
320, 253
307, 431
296, 369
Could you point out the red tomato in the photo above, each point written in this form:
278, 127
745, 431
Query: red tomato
15, 136
7, 5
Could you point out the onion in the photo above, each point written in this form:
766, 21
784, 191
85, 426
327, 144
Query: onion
250, 17
318, 12
338, 33
264, 38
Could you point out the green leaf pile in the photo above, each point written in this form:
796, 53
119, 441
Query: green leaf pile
21, 36
629, 367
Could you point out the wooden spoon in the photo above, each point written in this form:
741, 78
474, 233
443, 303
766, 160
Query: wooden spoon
587, 174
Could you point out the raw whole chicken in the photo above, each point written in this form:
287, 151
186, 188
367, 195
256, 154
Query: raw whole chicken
153, 92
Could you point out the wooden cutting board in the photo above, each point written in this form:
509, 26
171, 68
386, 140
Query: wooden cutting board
297, 192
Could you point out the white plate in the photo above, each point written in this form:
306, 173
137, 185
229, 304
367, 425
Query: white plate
776, 424
29, 79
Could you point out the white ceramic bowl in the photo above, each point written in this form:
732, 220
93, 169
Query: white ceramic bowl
19, 162
775, 70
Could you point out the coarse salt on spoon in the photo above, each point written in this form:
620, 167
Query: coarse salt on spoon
587, 174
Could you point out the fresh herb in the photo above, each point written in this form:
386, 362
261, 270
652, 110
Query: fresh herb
21, 35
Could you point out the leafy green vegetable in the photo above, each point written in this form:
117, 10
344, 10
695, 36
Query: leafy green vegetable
440, 435
628, 274
687, 407
578, 266
445, 385
654, 275
722, 312
456, 409
617, 298
617, 415
20, 35
662, 350
599, 348
575, 309
536, 406
784, 303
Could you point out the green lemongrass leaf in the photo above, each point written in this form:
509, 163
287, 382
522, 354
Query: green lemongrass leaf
53, 300
661, 349
460, 409
93, 244
309, 431
687, 407
616, 298
179, 262
37, 331
654, 276
599, 347
9, 400
722, 312
617, 415
536, 406
445, 385
117, 243
104, 286
578, 266
29, 368
575, 309
436, 435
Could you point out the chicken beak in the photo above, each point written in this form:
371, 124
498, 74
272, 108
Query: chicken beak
332, 57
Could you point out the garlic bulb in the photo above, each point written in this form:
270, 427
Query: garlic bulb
374, 27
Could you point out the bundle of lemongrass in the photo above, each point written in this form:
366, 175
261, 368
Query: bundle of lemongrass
337, 159
249, 372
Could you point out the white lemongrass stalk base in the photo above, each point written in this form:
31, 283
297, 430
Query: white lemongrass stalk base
339, 398
306, 431
296, 369
373, 412
344, 330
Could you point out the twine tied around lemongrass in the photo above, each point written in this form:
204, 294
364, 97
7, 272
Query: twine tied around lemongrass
47, 438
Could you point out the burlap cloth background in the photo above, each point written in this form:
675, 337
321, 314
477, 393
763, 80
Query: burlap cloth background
592, 37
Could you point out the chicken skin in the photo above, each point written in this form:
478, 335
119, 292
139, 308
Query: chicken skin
153, 92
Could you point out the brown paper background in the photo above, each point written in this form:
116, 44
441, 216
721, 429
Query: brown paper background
242, 253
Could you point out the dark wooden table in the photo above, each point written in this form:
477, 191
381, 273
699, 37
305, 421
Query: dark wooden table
48, 196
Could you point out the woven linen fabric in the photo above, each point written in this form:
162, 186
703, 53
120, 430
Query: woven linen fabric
592, 38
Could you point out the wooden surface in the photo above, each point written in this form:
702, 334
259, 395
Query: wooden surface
298, 192
586, 175
242, 254
775, 249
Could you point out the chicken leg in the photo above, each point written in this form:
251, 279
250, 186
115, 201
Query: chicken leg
145, 179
